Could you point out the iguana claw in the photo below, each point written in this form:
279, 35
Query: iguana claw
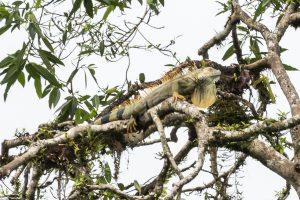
131, 126
177, 97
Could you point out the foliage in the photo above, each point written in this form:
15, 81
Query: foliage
52, 34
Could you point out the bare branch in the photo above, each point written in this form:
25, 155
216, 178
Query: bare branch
236, 44
256, 128
244, 17
151, 142
234, 168
202, 135
258, 65
164, 142
117, 191
218, 37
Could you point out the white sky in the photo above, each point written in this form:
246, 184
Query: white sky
196, 22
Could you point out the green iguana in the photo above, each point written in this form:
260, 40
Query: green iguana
200, 84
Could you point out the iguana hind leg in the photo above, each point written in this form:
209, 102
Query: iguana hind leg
177, 96
131, 126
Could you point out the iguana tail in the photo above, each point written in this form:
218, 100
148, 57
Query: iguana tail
118, 114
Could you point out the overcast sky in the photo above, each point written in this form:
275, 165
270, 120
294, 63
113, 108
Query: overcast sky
195, 22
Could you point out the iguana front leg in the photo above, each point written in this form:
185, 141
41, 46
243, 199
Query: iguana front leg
131, 126
177, 96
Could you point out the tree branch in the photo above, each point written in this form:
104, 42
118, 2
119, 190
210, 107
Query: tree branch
283, 24
244, 17
115, 190
218, 37
35, 177
164, 143
202, 133
236, 44
240, 161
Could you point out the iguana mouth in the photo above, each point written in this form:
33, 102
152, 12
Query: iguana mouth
216, 76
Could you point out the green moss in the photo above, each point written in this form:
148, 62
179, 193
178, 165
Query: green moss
229, 113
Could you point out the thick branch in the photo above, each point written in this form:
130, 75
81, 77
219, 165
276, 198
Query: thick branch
272, 159
294, 18
35, 177
283, 24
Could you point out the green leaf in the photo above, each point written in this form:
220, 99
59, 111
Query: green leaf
11, 74
229, 52
142, 77
64, 37
121, 186
17, 3
46, 90
78, 116
8, 86
64, 110
89, 105
4, 28
3, 12
137, 186
48, 44
92, 72
141, 2
102, 47
162, 2
289, 68
53, 58
76, 6
21, 78
45, 74
261, 8
45, 59
107, 173
38, 4
31, 31
255, 48
242, 28
32, 71
88, 4
20, 54
54, 97
96, 101
108, 11
6, 61
50, 57
38, 87
72, 76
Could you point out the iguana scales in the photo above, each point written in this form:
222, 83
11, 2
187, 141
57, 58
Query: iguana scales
199, 84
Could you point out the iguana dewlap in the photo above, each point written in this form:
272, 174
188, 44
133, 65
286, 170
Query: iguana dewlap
200, 84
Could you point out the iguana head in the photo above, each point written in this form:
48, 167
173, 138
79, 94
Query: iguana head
208, 73
205, 91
